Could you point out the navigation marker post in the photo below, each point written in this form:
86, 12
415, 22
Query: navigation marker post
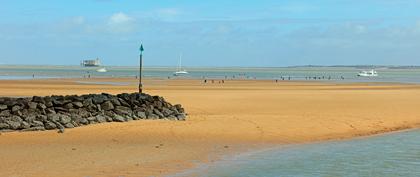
140, 68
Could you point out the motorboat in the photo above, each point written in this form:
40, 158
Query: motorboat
371, 73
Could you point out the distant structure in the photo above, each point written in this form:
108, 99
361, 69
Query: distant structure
91, 63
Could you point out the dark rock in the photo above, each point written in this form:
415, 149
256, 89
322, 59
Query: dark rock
61, 130
77, 104
152, 116
101, 118
42, 106
32, 105
37, 124
3, 107
15, 108
118, 118
68, 106
69, 125
107, 106
50, 111
84, 121
13, 125
41, 128
141, 115
115, 102
58, 109
88, 102
181, 117
98, 99
123, 110
4, 126
38, 99
166, 112
158, 113
24, 125
53, 117
65, 119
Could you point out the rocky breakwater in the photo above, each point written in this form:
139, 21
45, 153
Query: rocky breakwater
60, 112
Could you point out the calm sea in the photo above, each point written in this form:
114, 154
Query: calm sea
390, 155
295, 73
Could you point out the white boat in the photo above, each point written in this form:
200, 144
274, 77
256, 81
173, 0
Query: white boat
180, 71
371, 73
101, 70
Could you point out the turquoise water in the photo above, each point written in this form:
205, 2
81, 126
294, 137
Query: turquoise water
390, 155
295, 73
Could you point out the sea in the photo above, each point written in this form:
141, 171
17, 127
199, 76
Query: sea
389, 155
334, 74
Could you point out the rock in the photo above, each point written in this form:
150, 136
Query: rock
42, 106
38, 99
68, 106
179, 108
58, 109
13, 125
123, 110
141, 115
181, 117
87, 102
37, 124
61, 130
53, 117
152, 116
4, 126
84, 121
50, 111
166, 112
115, 102
77, 104
118, 118
101, 118
158, 113
3, 107
49, 125
34, 129
69, 125
65, 119
32, 105
171, 117
15, 108
98, 99
24, 125
107, 106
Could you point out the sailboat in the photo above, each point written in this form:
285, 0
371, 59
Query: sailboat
180, 71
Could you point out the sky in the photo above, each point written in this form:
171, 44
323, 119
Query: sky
260, 33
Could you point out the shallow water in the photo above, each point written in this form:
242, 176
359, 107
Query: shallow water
395, 154
297, 73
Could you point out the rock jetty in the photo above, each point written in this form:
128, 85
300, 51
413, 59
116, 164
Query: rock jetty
60, 112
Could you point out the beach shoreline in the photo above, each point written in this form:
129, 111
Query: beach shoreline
229, 118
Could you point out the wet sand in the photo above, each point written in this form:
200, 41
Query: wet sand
223, 119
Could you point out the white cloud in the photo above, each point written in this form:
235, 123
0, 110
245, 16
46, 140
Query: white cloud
121, 23
79, 20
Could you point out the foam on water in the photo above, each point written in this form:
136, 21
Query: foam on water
396, 154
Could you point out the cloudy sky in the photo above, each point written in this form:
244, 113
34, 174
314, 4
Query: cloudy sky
211, 32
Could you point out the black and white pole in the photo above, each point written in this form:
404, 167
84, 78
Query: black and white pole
140, 69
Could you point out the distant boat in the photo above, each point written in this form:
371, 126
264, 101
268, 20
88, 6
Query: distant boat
90, 63
180, 71
371, 73
101, 70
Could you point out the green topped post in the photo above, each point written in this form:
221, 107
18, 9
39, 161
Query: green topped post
140, 68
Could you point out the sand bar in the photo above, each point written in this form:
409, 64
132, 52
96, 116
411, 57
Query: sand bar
223, 118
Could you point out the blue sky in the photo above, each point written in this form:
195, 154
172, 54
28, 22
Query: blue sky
211, 33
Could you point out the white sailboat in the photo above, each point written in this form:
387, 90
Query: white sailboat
180, 71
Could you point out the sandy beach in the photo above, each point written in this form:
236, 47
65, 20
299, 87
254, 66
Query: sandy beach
228, 118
